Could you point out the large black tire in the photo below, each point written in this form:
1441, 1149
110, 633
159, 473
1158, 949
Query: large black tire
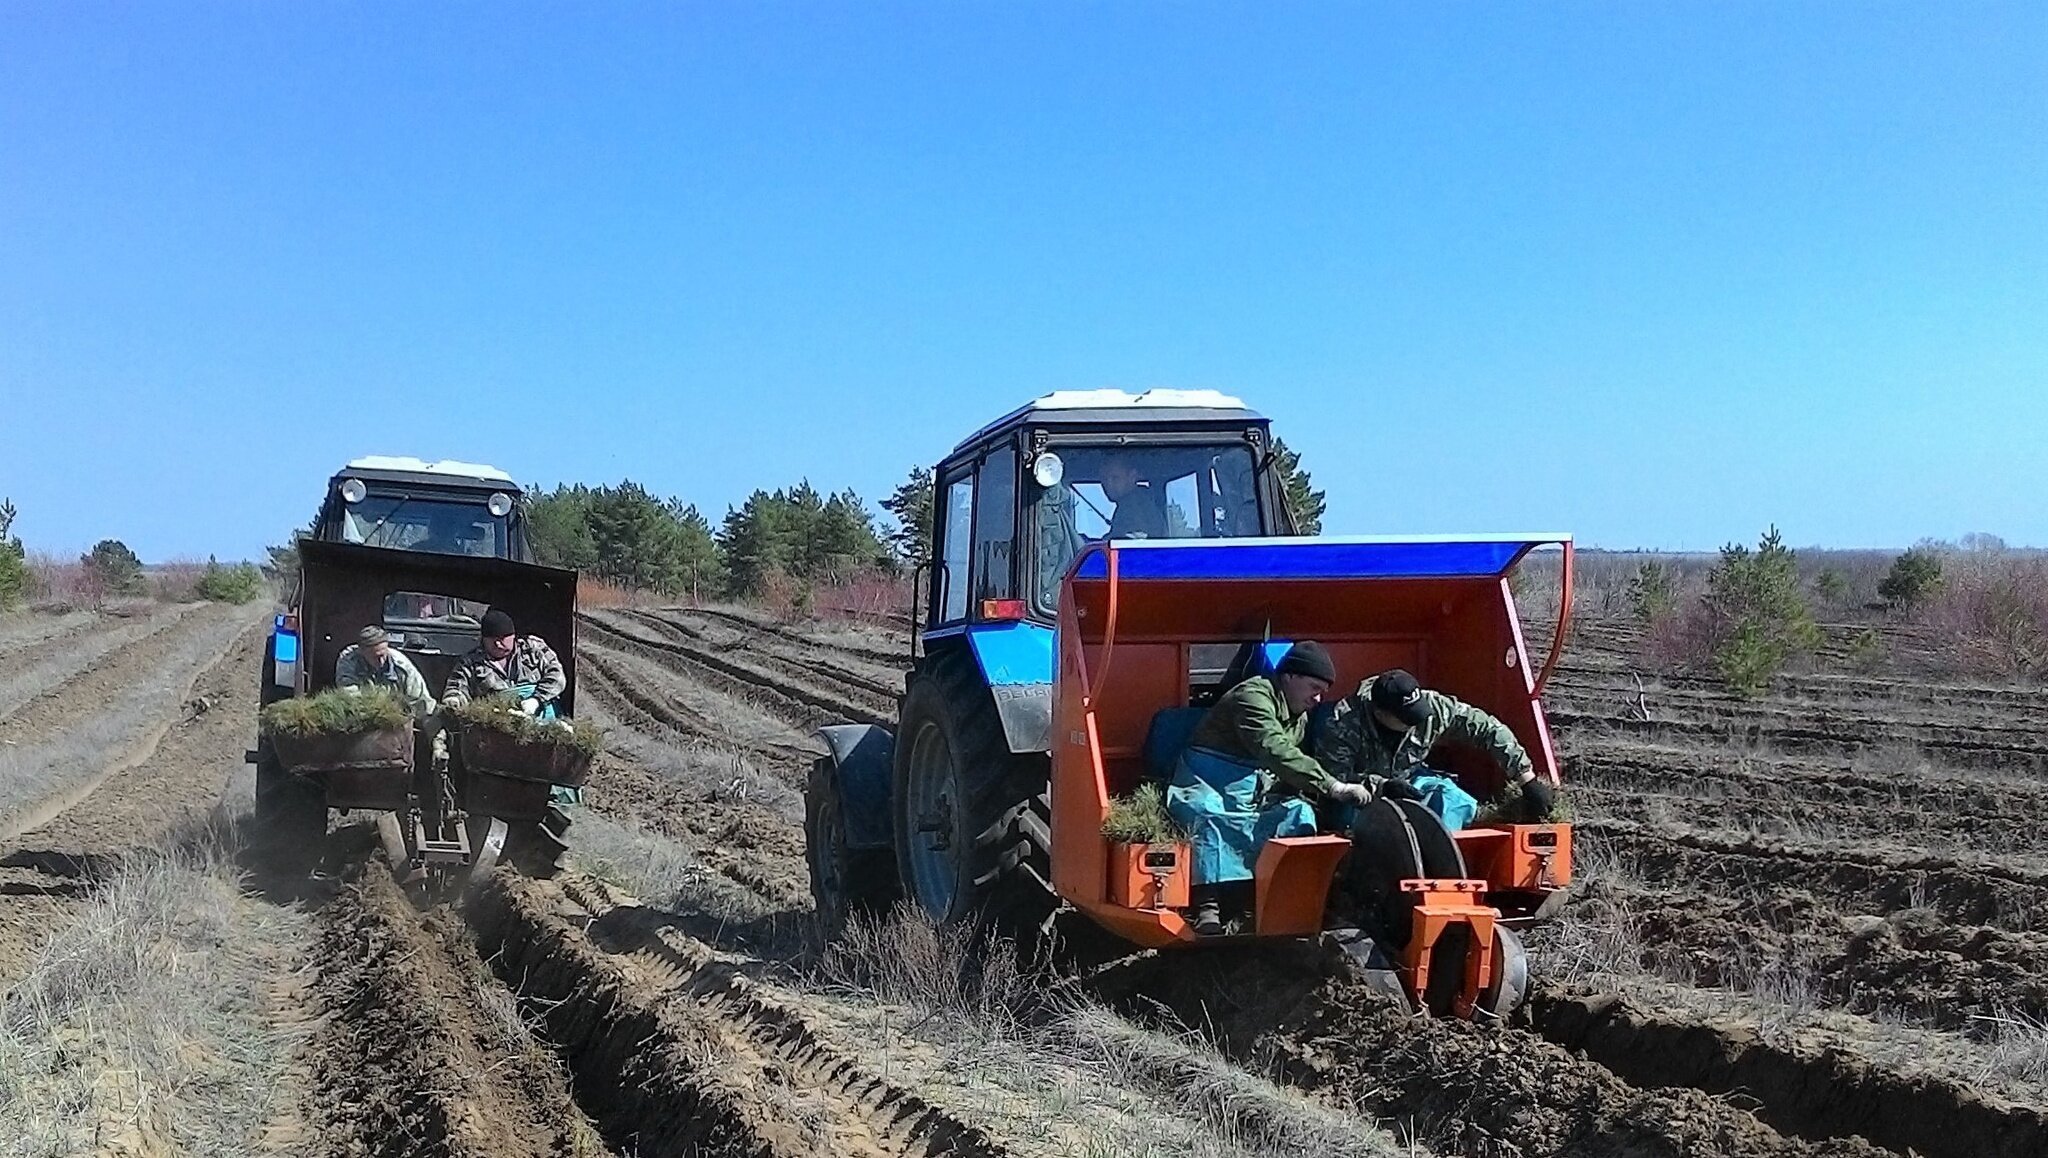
538, 848
973, 820
291, 817
845, 882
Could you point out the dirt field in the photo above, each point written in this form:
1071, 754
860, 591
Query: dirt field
1811, 924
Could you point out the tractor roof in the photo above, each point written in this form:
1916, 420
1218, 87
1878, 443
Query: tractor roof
1120, 408
447, 472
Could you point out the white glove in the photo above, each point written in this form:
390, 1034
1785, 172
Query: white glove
1346, 793
530, 706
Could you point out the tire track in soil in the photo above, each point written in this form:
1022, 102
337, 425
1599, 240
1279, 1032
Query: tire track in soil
678, 1053
1465, 1089
802, 705
408, 1059
1790, 817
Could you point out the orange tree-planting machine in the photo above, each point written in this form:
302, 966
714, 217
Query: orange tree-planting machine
1103, 566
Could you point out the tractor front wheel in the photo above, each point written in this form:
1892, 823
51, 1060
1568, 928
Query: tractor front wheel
845, 882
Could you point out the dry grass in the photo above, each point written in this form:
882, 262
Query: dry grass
145, 1022
960, 1017
663, 872
719, 772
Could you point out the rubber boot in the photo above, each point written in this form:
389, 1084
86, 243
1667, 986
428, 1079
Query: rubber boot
1208, 912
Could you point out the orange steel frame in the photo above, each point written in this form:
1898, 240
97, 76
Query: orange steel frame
1123, 654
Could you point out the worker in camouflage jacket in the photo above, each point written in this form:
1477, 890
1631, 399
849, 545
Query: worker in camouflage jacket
1381, 737
1244, 777
521, 667
371, 661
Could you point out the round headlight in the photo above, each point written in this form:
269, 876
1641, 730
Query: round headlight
501, 504
353, 490
1048, 469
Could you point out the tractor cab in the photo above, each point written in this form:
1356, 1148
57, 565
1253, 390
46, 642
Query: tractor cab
443, 508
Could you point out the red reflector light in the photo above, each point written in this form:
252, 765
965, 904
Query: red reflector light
1002, 609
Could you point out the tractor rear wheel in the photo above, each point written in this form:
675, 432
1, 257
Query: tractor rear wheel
972, 819
845, 882
291, 816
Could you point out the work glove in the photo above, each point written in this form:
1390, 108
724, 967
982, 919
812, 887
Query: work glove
530, 706
1395, 788
1357, 795
1537, 800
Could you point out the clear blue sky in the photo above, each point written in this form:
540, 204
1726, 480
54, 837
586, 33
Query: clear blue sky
1658, 274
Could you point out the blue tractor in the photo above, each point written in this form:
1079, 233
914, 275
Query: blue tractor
952, 810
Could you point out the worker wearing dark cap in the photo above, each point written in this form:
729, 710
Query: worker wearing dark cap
1381, 737
520, 667
1245, 778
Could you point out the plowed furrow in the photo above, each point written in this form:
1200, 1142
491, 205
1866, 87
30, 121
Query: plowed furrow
1780, 812
420, 1052
772, 653
1976, 894
791, 637
41, 696
1911, 965
1816, 1094
802, 706
659, 714
1464, 1089
2009, 750
684, 1053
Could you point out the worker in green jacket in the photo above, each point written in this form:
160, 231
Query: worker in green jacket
1380, 737
1245, 778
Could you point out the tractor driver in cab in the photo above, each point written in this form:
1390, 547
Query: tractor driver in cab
1140, 512
1244, 777
522, 667
1380, 738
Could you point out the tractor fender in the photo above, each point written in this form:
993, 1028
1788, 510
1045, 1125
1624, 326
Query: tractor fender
863, 760
1016, 663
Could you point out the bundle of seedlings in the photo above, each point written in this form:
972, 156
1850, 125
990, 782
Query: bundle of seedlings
338, 728
1140, 817
500, 739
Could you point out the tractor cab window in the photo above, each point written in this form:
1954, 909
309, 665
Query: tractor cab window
414, 523
956, 544
1140, 492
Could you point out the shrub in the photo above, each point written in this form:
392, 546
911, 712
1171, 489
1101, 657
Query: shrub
1755, 615
13, 560
334, 712
1831, 587
1990, 614
1913, 578
237, 584
113, 569
501, 714
1652, 593
1140, 817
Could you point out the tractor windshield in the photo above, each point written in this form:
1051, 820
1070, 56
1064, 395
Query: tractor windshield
418, 523
1139, 492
